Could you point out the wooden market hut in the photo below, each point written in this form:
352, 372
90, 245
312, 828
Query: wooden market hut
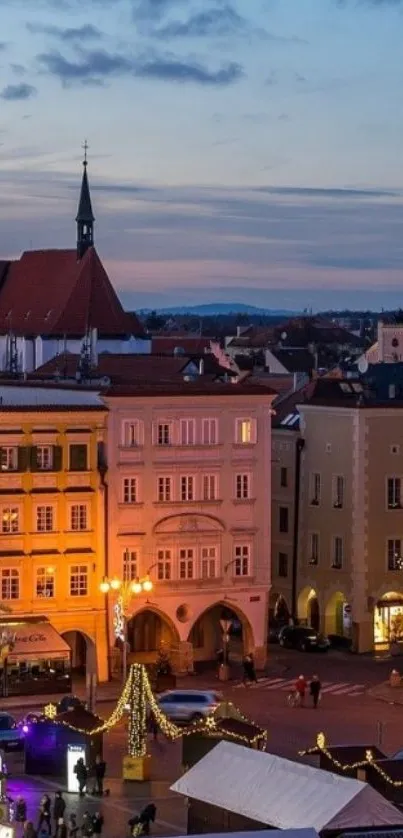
229, 725
47, 741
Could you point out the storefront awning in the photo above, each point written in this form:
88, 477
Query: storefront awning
37, 641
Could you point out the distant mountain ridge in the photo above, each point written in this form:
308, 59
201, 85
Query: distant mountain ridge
211, 309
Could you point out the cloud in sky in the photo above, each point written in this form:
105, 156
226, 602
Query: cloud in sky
18, 92
86, 32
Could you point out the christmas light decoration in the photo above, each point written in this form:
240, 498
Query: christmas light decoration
50, 711
369, 760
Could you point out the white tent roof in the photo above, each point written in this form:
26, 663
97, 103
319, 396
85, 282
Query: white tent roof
288, 795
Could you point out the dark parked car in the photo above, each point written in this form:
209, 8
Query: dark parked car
304, 638
275, 629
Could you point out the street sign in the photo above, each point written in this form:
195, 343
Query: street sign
226, 625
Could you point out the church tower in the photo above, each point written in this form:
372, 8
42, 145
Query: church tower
85, 218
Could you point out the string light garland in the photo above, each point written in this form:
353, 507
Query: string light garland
369, 760
136, 694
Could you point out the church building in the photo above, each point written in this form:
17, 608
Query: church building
54, 301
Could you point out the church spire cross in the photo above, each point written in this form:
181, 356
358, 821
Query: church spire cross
85, 147
85, 217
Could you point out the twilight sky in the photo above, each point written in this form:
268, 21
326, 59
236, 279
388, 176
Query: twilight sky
240, 150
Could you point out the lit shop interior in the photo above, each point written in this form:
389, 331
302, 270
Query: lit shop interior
388, 620
34, 658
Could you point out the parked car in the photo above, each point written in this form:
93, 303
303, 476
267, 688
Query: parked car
11, 735
304, 638
275, 628
189, 705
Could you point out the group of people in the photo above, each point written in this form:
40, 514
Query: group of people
315, 689
51, 820
98, 772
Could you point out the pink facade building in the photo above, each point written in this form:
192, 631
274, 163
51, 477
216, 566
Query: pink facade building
189, 505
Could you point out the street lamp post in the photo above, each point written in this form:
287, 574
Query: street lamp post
125, 589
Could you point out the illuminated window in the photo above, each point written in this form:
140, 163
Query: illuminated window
164, 565
45, 518
130, 490
79, 516
10, 519
245, 431
394, 554
242, 560
45, 582
186, 563
10, 583
130, 565
79, 580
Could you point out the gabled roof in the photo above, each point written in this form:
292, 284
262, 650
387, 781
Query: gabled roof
52, 293
276, 792
190, 344
120, 368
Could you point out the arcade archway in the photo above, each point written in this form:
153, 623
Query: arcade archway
83, 652
308, 608
206, 634
148, 631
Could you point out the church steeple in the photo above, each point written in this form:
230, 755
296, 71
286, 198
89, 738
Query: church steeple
85, 217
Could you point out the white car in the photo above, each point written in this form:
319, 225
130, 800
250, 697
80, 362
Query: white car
189, 705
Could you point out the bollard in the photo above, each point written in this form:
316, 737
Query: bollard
395, 678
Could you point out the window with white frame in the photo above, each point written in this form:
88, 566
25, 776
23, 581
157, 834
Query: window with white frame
186, 563
79, 580
242, 486
10, 519
129, 490
164, 565
164, 489
209, 431
79, 516
45, 518
187, 431
209, 487
132, 433
44, 457
187, 487
394, 493
9, 458
337, 552
338, 491
242, 560
394, 554
45, 582
314, 548
10, 583
315, 488
130, 565
164, 433
245, 431
209, 562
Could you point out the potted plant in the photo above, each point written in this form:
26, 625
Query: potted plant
165, 677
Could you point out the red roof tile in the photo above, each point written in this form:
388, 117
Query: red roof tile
51, 292
191, 344
121, 369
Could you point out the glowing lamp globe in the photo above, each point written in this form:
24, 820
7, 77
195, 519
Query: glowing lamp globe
115, 584
147, 585
104, 586
136, 587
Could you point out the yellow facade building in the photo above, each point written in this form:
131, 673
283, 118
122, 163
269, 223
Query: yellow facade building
52, 512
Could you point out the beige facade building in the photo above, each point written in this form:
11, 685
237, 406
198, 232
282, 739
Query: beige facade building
189, 478
348, 580
52, 515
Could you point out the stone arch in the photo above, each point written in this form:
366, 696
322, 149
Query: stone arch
188, 523
206, 634
83, 651
308, 607
149, 629
336, 621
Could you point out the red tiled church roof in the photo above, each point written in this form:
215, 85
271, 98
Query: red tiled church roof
53, 293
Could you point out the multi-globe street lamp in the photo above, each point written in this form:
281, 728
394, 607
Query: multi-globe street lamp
124, 589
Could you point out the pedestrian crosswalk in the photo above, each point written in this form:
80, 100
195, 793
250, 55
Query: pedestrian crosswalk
287, 685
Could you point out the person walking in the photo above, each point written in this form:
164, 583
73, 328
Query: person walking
29, 830
140, 824
61, 829
249, 672
300, 689
44, 822
59, 807
80, 770
99, 771
72, 827
315, 688
21, 810
87, 826
97, 823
